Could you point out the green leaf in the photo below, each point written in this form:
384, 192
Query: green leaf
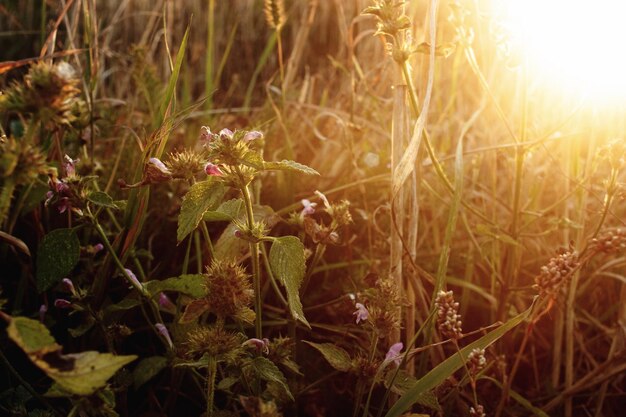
84, 372
79, 373
125, 304
404, 381
190, 284
446, 368
31, 335
102, 199
227, 211
288, 265
287, 165
337, 357
147, 369
266, 370
57, 255
201, 197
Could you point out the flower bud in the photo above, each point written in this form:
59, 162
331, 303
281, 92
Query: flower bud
166, 304
164, 333
252, 135
213, 170
69, 285
42, 312
226, 134
62, 304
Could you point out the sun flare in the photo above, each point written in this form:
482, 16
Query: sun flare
573, 45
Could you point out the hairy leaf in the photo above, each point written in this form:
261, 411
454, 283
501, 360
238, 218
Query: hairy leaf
227, 211
337, 357
266, 370
79, 373
190, 284
287, 165
57, 255
147, 369
201, 197
288, 265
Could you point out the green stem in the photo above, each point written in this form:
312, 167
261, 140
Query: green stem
254, 254
210, 395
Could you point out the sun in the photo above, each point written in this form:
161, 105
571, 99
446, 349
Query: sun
574, 45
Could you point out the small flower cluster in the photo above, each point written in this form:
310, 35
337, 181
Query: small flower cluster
448, 318
557, 273
391, 22
317, 230
610, 241
65, 192
476, 361
382, 311
479, 411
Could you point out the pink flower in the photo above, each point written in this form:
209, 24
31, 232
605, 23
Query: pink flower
252, 135
97, 248
133, 278
361, 313
166, 304
226, 134
42, 312
260, 345
156, 171
309, 208
62, 304
69, 285
206, 135
70, 166
164, 333
393, 354
213, 170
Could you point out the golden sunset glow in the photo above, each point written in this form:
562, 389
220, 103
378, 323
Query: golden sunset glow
576, 46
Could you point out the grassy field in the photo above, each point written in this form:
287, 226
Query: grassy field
305, 208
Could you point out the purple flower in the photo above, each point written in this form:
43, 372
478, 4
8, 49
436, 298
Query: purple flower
133, 278
64, 205
361, 313
252, 135
323, 198
213, 170
166, 304
226, 134
69, 285
70, 166
164, 333
61, 303
309, 208
156, 171
97, 248
206, 135
260, 345
42, 312
393, 354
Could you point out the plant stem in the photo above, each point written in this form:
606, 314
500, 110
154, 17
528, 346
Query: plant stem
210, 395
254, 254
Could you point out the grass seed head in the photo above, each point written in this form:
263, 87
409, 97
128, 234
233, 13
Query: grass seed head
448, 318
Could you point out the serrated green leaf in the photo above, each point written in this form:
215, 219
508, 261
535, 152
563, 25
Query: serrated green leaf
57, 255
267, 371
227, 211
336, 357
227, 383
287, 165
79, 373
190, 284
102, 199
147, 369
288, 266
446, 368
201, 197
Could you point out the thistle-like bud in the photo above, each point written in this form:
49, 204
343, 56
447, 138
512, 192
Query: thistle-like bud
229, 291
214, 341
448, 319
